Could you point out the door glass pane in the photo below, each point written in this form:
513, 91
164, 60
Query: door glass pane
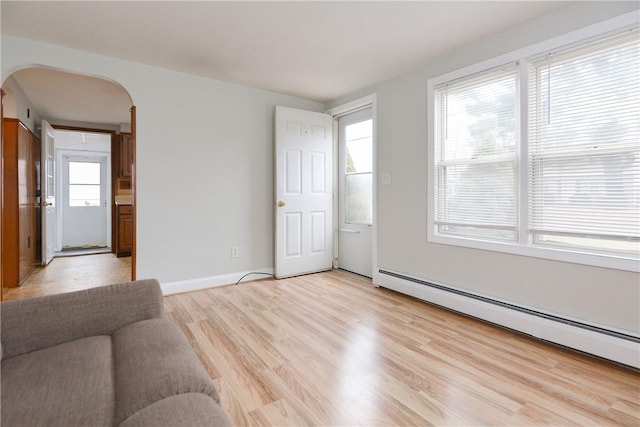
359, 199
84, 195
84, 184
359, 145
84, 173
50, 178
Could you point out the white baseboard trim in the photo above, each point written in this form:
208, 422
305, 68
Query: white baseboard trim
548, 328
189, 285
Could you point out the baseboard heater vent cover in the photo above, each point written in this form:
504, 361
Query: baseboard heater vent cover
607, 343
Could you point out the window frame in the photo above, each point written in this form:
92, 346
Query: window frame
441, 164
346, 174
77, 184
524, 244
342, 172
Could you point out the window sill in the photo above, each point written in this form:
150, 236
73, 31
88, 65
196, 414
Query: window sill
554, 254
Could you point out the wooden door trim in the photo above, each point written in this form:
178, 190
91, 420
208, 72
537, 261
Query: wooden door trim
2, 93
83, 129
133, 177
134, 190
113, 135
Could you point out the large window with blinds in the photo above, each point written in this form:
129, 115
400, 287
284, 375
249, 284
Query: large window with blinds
584, 146
475, 152
541, 155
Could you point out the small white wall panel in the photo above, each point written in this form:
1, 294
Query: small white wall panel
318, 232
292, 128
318, 131
293, 234
293, 172
318, 180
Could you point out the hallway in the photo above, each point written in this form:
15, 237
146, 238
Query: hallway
72, 273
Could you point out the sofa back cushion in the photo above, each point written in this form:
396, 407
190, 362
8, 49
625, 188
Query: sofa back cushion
37, 323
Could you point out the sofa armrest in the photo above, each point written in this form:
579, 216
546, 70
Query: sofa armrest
37, 323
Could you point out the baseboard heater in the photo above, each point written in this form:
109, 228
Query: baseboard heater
610, 344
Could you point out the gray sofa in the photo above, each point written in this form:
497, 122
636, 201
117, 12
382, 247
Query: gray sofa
101, 357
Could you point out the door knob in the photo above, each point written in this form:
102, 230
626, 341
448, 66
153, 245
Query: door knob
47, 204
280, 203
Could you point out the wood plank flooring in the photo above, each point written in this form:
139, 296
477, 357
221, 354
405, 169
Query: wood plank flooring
331, 350
73, 273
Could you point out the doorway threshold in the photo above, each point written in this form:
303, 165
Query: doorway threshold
82, 251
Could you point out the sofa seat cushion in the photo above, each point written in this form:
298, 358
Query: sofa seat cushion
69, 384
181, 410
153, 361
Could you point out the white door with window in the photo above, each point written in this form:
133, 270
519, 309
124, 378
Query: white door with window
84, 201
355, 212
48, 197
304, 192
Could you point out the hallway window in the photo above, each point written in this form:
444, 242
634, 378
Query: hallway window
84, 184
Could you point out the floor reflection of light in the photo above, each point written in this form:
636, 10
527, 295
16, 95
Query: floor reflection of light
358, 375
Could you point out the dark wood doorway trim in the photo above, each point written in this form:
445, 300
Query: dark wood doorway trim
82, 129
1, 183
134, 190
133, 177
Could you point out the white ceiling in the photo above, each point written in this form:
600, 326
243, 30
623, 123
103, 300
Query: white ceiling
59, 96
319, 50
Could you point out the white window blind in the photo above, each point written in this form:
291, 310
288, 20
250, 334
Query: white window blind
475, 155
584, 146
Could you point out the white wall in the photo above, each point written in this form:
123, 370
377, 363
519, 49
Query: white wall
205, 178
72, 140
18, 106
204, 162
599, 296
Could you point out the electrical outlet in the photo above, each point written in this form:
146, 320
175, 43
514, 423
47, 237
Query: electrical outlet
235, 252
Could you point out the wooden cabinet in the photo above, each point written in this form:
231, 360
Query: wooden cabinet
125, 230
125, 157
122, 154
20, 150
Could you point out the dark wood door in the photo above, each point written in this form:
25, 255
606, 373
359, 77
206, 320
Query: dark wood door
19, 216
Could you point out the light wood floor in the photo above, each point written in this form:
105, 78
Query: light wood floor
330, 349
66, 274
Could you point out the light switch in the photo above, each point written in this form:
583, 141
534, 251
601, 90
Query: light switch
385, 179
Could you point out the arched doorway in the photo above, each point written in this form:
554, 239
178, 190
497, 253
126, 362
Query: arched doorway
77, 104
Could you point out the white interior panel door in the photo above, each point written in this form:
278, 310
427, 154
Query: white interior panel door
48, 197
304, 199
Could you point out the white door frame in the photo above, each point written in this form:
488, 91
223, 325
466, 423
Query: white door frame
81, 153
358, 104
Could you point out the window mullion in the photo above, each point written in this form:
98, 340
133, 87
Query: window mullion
522, 91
